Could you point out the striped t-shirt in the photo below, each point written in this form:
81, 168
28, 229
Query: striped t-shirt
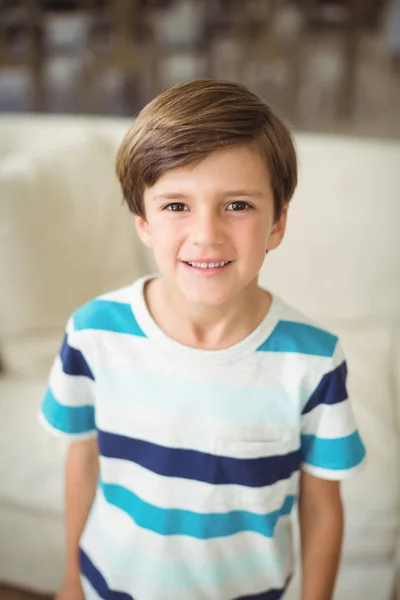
200, 451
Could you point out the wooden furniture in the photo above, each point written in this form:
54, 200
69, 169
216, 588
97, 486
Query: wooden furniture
347, 20
21, 44
123, 36
110, 45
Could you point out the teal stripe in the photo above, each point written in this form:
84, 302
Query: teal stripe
173, 573
173, 521
68, 419
300, 338
106, 315
337, 454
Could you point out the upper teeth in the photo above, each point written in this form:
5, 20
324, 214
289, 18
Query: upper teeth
203, 265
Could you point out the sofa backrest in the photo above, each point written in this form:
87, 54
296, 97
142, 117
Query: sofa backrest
340, 264
65, 236
340, 259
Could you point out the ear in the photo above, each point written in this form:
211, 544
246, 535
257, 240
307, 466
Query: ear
143, 230
278, 229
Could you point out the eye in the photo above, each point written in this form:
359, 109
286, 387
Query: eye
176, 207
239, 205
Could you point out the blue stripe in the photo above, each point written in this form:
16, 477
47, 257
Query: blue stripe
204, 526
330, 390
337, 454
97, 580
106, 315
181, 574
274, 594
68, 419
200, 466
73, 361
290, 336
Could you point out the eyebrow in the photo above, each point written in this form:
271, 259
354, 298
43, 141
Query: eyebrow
229, 194
170, 196
247, 193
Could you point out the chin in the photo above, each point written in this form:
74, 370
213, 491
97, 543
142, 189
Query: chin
208, 297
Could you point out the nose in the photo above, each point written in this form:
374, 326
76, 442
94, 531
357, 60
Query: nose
207, 228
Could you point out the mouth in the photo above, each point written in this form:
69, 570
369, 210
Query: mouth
207, 265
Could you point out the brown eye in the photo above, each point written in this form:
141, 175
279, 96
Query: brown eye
238, 205
176, 207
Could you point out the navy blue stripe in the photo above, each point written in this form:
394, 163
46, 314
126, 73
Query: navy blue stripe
274, 594
330, 390
97, 580
73, 361
199, 466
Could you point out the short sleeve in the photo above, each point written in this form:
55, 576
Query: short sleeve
331, 447
68, 405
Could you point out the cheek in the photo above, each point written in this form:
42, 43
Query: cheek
254, 235
166, 233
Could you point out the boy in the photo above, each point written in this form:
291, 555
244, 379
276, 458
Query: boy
200, 407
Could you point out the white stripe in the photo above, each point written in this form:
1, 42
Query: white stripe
338, 356
329, 421
331, 474
70, 390
149, 566
116, 527
258, 369
124, 295
160, 425
197, 496
69, 328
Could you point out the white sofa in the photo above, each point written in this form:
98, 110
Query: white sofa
65, 236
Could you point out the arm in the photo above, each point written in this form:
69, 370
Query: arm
321, 529
82, 468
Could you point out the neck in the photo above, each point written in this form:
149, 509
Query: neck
203, 326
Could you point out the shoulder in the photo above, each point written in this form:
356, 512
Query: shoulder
296, 333
111, 311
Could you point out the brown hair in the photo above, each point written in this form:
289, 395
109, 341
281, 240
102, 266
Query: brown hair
187, 122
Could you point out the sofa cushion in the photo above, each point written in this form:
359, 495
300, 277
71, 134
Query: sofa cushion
31, 461
67, 238
33, 555
372, 532
339, 263
395, 368
30, 354
356, 582
21, 133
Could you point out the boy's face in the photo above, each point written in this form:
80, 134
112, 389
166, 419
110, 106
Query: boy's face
218, 211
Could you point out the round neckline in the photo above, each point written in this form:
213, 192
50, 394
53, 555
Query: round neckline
154, 332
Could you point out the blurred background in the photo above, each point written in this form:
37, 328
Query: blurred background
325, 65
72, 76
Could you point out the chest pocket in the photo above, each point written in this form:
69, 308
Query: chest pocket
254, 475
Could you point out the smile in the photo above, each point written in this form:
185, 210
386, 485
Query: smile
208, 265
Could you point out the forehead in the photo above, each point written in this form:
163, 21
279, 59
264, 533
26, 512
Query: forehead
237, 167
